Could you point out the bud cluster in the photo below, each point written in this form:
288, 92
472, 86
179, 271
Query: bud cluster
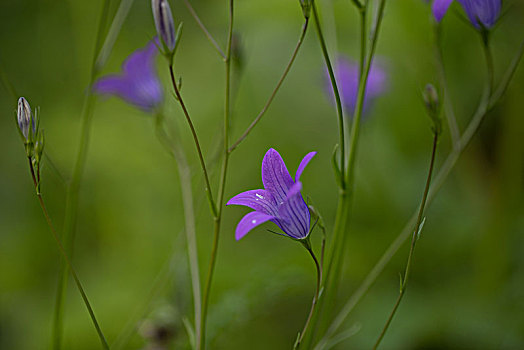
32, 136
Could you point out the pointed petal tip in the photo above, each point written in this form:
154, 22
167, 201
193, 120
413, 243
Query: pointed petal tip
250, 221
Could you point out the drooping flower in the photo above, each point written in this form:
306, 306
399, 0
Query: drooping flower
164, 23
280, 201
347, 76
481, 13
138, 83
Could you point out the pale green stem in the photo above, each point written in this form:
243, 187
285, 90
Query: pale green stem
204, 29
414, 238
201, 341
67, 260
189, 216
71, 206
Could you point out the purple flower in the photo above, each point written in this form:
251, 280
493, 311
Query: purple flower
280, 201
138, 83
481, 13
347, 75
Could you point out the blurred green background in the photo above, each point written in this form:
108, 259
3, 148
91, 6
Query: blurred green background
467, 284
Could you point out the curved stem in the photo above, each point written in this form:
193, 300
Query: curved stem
275, 90
68, 261
317, 292
204, 29
338, 101
223, 174
414, 238
209, 193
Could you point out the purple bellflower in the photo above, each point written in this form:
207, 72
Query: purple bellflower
138, 84
280, 201
481, 13
347, 75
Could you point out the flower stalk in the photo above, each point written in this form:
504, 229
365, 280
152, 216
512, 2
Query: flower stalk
414, 238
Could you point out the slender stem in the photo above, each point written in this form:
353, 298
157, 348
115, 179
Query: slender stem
414, 238
317, 292
71, 205
363, 40
448, 105
221, 189
338, 101
68, 261
275, 90
209, 192
204, 29
184, 171
485, 104
357, 116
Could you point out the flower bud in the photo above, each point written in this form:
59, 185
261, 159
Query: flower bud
430, 96
306, 7
165, 25
24, 117
432, 103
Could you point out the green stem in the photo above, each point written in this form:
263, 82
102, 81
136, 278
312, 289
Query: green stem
201, 342
485, 104
184, 172
208, 190
71, 206
275, 90
68, 261
448, 105
357, 116
204, 29
338, 101
318, 266
414, 238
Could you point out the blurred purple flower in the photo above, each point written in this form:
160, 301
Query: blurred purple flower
347, 75
481, 13
280, 201
138, 84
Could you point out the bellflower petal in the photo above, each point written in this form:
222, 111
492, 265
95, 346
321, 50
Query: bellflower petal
259, 200
138, 83
280, 201
250, 221
303, 164
482, 12
439, 8
347, 75
275, 177
296, 213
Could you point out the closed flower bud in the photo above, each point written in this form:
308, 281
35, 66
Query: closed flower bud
24, 117
432, 103
165, 25
430, 96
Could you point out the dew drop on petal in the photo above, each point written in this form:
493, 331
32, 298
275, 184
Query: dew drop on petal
253, 221
259, 196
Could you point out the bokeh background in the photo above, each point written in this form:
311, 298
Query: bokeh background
467, 285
